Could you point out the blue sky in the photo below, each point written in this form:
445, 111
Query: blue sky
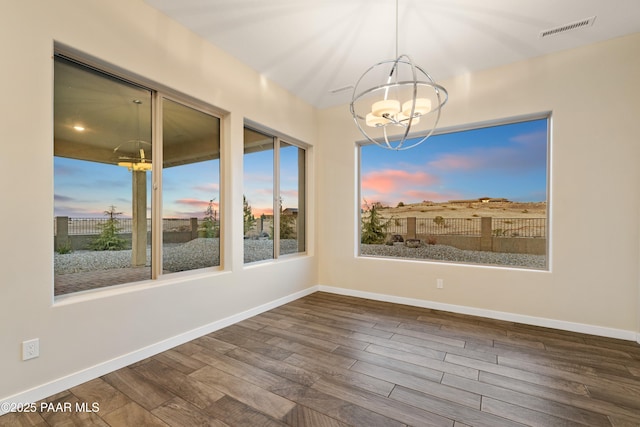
86, 189
507, 161
258, 179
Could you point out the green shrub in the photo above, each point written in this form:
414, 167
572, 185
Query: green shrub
65, 249
374, 227
108, 239
249, 219
210, 222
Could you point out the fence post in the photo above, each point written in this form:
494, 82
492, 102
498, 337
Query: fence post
411, 227
62, 231
194, 228
486, 241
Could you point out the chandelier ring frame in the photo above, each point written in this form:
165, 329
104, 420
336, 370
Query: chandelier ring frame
440, 92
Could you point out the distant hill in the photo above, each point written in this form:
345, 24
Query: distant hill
493, 207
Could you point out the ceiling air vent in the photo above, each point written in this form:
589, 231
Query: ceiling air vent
587, 22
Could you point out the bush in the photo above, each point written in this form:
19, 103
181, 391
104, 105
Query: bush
287, 225
210, 222
249, 219
374, 227
65, 249
108, 239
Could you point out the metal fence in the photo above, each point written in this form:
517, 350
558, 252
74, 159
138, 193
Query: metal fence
451, 226
519, 227
397, 226
89, 226
500, 227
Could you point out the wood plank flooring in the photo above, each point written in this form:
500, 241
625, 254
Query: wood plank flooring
328, 360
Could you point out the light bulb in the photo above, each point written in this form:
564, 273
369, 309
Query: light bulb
423, 106
387, 106
375, 121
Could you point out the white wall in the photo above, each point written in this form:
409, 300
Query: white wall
109, 326
593, 93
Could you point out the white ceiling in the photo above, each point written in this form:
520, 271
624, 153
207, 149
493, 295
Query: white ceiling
313, 47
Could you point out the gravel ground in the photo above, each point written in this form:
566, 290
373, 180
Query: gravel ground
449, 253
201, 253
198, 253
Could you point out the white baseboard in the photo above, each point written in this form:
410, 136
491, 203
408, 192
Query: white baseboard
77, 378
498, 315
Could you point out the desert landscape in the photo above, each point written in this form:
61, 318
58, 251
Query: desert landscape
509, 220
485, 207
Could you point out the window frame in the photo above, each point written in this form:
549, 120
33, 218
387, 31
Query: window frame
278, 138
157, 180
543, 115
159, 92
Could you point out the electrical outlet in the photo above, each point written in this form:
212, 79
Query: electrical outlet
30, 349
439, 283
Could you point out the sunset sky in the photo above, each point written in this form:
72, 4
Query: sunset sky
86, 189
507, 161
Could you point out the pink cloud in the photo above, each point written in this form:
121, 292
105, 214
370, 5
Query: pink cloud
433, 196
455, 161
532, 138
259, 211
203, 204
208, 188
392, 180
528, 151
257, 192
407, 196
289, 194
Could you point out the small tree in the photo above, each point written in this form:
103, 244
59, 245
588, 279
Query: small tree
249, 219
374, 226
108, 239
287, 230
210, 222
287, 225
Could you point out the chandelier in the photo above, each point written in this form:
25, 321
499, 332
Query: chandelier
396, 104
137, 161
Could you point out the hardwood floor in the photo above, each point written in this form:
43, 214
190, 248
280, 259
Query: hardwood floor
328, 360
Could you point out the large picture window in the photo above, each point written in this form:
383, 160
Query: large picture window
476, 196
106, 138
274, 197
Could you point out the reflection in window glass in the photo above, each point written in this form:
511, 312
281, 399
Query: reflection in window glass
258, 196
190, 188
477, 196
292, 205
102, 161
